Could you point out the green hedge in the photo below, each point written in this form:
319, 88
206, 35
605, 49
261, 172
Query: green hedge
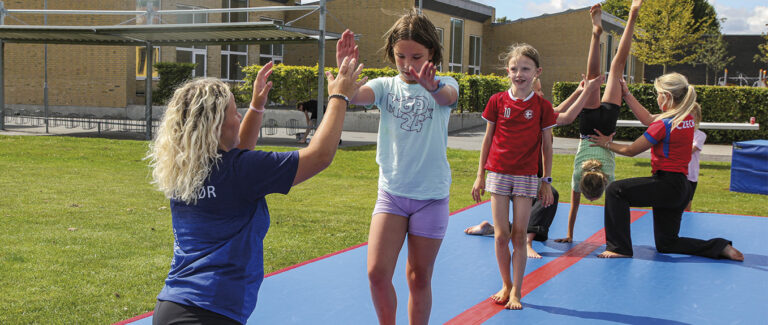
718, 104
172, 74
292, 84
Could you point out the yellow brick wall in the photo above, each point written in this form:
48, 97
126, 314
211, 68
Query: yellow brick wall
368, 19
77, 74
471, 27
104, 75
561, 39
371, 20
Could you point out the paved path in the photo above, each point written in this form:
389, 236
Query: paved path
466, 140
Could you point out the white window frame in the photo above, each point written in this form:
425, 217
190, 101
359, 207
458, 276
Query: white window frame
227, 53
195, 51
271, 56
474, 67
440, 34
452, 66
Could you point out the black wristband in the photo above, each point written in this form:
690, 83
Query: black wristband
340, 96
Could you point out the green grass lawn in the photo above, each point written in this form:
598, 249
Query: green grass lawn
86, 239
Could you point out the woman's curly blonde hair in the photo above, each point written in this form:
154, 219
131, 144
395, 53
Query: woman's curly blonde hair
186, 146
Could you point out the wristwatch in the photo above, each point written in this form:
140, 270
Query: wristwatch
440, 85
547, 180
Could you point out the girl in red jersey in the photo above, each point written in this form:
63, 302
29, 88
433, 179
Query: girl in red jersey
519, 127
670, 136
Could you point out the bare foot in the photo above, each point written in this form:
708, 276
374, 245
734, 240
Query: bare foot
636, 4
483, 229
609, 254
597, 21
564, 240
502, 296
514, 302
531, 252
731, 253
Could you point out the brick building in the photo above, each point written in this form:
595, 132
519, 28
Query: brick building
742, 48
113, 77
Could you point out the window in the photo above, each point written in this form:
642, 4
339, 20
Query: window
609, 50
457, 38
141, 62
234, 56
271, 52
143, 5
141, 52
602, 57
440, 32
475, 44
195, 53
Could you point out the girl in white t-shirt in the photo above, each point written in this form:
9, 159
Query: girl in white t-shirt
414, 175
693, 167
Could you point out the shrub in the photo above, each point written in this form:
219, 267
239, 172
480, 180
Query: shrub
172, 74
293, 84
718, 104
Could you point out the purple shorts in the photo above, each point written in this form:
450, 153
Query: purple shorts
426, 218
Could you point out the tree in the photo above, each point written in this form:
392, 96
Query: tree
763, 48
712, 52
618, 8
667, 32
702, 10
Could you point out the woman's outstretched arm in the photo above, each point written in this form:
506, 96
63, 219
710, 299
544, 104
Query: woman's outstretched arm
319, 154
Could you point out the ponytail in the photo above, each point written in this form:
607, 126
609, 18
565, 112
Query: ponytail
683, 98
593, 179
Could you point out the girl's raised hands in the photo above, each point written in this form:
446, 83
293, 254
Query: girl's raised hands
346, 47
346, 82
426, 77
261, 86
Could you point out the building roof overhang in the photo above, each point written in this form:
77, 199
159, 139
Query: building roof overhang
162, 35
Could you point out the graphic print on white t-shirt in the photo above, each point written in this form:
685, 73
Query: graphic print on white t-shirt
412, 110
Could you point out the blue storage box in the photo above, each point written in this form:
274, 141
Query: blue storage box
749, 167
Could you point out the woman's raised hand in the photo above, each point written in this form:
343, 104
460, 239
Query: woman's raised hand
346, 47
261, 86
591, 85
624, 88
346, 82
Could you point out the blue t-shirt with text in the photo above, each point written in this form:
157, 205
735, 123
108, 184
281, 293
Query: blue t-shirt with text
218, 253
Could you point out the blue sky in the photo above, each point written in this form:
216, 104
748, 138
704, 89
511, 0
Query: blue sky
743, 16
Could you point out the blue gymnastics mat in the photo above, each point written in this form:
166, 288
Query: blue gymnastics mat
569, 285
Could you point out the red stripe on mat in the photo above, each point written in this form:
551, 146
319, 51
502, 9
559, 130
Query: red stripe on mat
486, 309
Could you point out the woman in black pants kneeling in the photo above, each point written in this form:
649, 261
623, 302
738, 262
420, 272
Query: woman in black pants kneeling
670, 136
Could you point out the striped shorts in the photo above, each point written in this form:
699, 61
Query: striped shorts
512, 185
587, 152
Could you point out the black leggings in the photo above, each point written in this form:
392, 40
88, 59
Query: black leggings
541, 217
168, 312
668, 194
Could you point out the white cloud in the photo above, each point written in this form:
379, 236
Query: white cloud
758, 21
553, 6
743, 20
